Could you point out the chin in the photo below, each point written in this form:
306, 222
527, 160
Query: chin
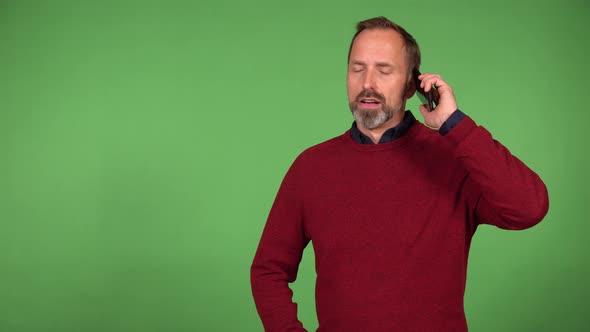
369, 118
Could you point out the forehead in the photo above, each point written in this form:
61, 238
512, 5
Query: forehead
378, 45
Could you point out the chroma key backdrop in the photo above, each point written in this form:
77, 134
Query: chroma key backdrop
142, 144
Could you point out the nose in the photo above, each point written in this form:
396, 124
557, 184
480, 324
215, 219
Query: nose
369, 81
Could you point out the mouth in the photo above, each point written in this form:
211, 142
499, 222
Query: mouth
369, 103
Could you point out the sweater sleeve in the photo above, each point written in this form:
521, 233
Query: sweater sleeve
277, 259
506, 192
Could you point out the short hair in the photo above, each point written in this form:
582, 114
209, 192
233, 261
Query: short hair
412, 48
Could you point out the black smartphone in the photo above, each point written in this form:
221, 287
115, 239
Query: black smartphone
429, 98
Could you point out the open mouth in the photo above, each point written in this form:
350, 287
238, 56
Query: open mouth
369, 102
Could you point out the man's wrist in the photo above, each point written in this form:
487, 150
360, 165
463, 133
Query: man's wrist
451, 122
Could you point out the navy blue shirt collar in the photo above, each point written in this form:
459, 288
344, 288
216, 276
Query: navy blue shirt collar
389, 135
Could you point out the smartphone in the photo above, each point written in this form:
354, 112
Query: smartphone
429, 98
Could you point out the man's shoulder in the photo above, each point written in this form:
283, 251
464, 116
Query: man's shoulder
323, 152
327, 147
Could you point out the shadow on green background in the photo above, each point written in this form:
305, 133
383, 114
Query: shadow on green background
143, 143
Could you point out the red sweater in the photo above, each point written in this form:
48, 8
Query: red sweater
391, 225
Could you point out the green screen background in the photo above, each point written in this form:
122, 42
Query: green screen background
142, 144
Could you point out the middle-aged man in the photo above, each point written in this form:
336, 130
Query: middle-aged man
391, 205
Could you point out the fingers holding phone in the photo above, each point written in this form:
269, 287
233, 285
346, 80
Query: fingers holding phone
437, 97
429, 97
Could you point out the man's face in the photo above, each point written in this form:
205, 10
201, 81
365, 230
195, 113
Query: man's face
377, 77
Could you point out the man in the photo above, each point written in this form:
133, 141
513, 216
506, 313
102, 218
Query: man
391, 205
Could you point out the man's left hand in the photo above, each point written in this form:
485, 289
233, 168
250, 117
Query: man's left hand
446, 104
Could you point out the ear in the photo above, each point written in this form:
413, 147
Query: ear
410, 88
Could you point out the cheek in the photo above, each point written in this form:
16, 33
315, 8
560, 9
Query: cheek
351, 89
395, 93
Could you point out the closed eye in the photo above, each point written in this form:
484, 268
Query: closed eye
386, 68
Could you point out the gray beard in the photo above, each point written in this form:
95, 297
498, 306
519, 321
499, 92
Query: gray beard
370, 118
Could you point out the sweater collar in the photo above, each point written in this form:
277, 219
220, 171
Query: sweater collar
389, 135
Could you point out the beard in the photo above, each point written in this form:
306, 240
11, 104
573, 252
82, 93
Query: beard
374, 118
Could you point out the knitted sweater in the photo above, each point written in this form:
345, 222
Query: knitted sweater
391, 226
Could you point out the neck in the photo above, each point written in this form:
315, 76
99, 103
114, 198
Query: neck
376, 133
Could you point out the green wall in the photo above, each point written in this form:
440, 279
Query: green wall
142, 144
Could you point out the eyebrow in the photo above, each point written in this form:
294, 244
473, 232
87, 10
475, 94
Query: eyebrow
379, 64
385, 64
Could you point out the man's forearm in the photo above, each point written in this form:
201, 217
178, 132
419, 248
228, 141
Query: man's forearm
277, 259
512, 195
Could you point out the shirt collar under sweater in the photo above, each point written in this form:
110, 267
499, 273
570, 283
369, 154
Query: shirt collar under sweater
389, 135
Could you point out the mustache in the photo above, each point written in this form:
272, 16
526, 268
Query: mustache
370, 94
